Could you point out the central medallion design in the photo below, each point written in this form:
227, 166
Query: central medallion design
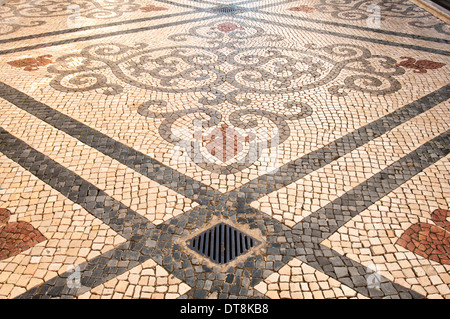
227, 69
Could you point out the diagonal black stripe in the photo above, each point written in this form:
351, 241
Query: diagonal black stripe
92, 273
307, 235
297, 169
116, 215
322, 223
93, 27
106, 35
354, 275
350, 26
311, 231
178, 4
350, 36
135, 160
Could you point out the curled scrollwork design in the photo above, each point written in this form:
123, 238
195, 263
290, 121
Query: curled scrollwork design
11, 25
350, 10
226, 72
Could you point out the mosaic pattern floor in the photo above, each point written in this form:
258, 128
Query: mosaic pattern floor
224, 149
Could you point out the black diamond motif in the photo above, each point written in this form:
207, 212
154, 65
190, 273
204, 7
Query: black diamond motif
222, 243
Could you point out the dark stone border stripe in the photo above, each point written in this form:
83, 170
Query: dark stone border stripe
324, 222
355, 276
237, 15
307, 236
311, 231
101, 36
297, 169
94, 27
331, 217
350, 26
113, 213
348, 36
93, 273
135, 160
177, 4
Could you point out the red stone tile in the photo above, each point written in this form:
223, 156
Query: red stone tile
428, 241
439, 216
4, 216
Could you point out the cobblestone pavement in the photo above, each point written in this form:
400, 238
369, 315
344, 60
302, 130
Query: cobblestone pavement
224, 149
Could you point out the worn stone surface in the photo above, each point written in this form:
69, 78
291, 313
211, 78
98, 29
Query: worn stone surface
317, 127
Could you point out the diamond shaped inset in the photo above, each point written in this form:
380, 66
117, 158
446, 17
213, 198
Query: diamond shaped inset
222, 243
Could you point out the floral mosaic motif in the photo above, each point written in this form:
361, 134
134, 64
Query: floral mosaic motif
225, 142
30, 11
302, 8
55, 8
350, 10
152, 8
31, 64
16, 237
430, 241
420, 66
